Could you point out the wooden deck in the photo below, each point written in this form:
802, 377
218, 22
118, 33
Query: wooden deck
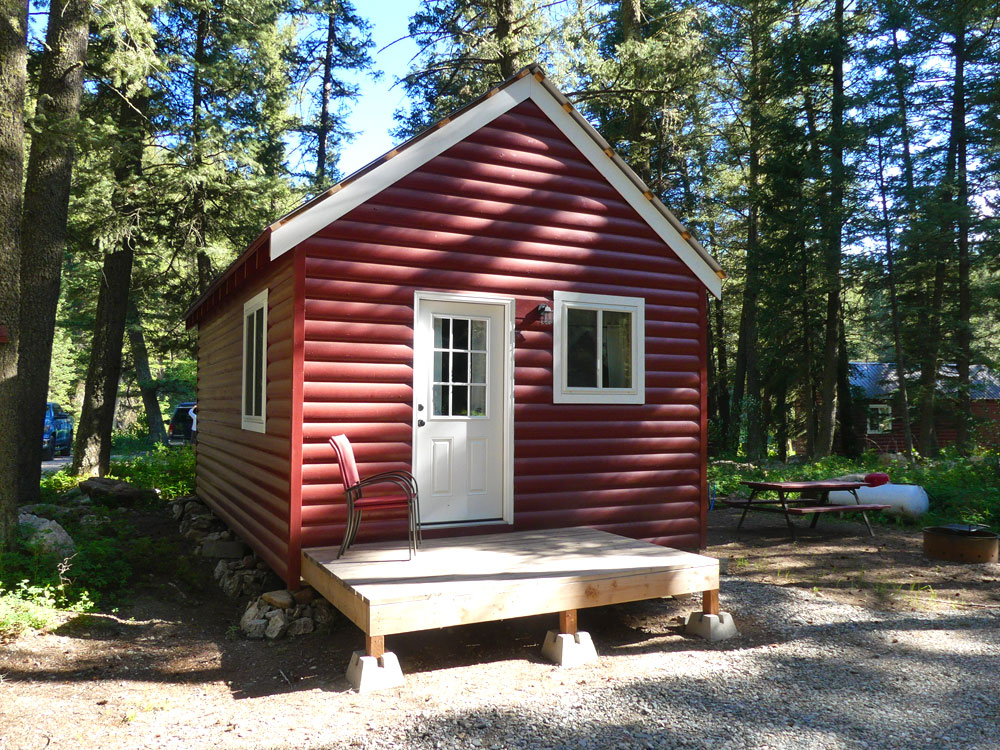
471, 579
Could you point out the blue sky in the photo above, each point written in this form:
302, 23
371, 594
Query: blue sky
371, 116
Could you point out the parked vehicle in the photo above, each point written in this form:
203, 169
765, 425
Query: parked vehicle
180, 423
57, 434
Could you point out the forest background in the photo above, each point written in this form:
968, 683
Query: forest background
840, 159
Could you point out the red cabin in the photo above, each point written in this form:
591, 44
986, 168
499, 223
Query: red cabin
499, 305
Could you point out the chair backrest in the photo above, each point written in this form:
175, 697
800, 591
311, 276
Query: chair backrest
345, 457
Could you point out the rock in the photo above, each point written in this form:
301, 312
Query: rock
252, 613
49, 536
323, 613
116, 493
300, 627
304, 595
248, 561
231, 586
272, 613
276, 626
177, 509
255, 628
195, 535
222, 548
220, 570
281, 598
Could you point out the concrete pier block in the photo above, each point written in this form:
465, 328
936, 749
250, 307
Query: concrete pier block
569, 650
369, 673
711, 627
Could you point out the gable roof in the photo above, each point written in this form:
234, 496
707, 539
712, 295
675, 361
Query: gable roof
878, 380
529, 83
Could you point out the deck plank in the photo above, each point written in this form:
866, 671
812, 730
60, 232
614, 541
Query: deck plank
463, 580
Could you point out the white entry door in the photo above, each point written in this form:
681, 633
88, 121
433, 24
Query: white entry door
459, 388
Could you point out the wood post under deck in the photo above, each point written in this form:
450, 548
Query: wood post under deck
710, 602
375, 645
567, 622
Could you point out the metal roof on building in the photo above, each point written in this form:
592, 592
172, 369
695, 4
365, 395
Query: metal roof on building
875, 380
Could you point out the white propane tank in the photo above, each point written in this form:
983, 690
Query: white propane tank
908, 500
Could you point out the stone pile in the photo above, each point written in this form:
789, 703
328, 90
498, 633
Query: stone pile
278, 613
248, 576
210, 535
282, 613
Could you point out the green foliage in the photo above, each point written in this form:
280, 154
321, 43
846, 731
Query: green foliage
167, 469
56, 484
960, 489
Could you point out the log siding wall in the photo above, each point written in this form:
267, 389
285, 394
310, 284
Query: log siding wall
244, 476
515, 210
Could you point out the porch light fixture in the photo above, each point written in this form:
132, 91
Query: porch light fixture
544, 314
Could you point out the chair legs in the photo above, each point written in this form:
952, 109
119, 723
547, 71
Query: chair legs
413, 533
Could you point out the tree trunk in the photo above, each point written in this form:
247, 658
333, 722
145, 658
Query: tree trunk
323, 136
897, 335
808, 384
722, 367
963, 336
13, 59
828, 409
43, 227
929, 367
849, 444
630, 20
505, 24
781, 408
140, 359
200, 218
92, 447
92, 451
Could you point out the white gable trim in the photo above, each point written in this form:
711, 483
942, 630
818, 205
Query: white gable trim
311, 219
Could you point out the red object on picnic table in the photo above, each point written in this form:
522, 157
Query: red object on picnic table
876, 479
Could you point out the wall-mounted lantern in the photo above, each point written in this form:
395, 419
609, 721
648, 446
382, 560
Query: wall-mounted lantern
544, 314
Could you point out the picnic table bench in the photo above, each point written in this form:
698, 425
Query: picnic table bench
813, 498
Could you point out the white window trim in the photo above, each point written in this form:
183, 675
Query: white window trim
252, 423
561, 393
884, 410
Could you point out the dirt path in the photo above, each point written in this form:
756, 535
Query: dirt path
170, 670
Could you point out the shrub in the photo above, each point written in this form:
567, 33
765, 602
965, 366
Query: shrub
169, 470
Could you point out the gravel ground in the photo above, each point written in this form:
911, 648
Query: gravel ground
807, 671
823, 675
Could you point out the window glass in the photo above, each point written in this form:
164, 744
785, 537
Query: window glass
460, 358
581, 348
254, 397
616, 350
259, 356
248, 365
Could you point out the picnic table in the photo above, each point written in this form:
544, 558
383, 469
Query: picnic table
813, 498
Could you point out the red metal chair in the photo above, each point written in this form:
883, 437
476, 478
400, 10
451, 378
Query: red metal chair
354, 487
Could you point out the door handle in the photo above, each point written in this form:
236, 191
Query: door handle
420, 423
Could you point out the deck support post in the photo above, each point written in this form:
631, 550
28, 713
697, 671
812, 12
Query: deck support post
710, 623
710, 602
375, 645
567, 622
374, 668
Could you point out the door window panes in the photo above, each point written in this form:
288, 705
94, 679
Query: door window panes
461, 358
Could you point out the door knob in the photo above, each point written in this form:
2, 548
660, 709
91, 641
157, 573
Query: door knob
420, 423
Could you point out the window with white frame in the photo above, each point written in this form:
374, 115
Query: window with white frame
599, 349
255, 362
879, 419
